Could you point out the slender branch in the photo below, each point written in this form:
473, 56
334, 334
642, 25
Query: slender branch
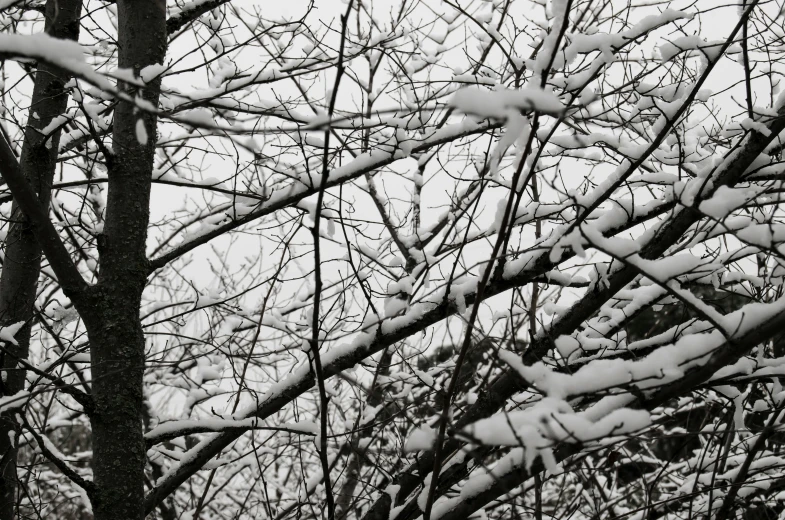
364, 164
66, 469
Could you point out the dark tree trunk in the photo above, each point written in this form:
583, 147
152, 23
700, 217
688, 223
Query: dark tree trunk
22, 265
114, 327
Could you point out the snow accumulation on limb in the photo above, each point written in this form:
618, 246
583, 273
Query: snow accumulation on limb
307, 186
184, 14
389, 331
65, 54
501, 104
704, 358
667, 372
419, 316
631, 220
174, 429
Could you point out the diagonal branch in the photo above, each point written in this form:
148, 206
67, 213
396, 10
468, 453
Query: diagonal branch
337, 361
506, 385
296, 191
68, 275
44, 445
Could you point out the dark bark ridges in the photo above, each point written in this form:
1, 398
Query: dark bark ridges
22, 262
115, 331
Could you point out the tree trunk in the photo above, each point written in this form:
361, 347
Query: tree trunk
114, 327
22, 264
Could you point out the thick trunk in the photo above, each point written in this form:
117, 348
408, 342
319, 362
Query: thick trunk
118, 443
22, 265
115, 331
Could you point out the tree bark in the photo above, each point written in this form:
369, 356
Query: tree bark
22, 263
113, 324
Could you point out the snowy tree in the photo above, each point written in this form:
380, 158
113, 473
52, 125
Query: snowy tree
392, 259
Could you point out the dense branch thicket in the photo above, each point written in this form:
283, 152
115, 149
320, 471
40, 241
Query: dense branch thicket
392, 259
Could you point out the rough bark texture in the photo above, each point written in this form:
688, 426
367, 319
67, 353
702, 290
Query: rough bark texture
116, 337
22, 263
